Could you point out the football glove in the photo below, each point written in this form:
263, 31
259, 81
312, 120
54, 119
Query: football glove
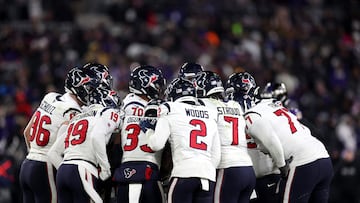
104, 174
284, 171
147, 123
151, 109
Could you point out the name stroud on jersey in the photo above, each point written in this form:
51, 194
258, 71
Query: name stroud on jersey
197, 113
228, 110
47, 107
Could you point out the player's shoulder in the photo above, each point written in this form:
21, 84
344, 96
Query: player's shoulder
211, 103
166, 107
52, 97
133, 100
59, 104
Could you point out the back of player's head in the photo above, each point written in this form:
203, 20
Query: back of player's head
189, 70
208, 84
178, 88
275, 90
81, 83
102, 72
241, 86
105, 96
147, 80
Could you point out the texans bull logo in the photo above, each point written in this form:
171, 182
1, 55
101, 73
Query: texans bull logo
128, 172
147, 79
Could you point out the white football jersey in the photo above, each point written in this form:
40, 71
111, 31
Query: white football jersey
133, 140
89, 132
53, 111
295, 138
231, 128
191, 130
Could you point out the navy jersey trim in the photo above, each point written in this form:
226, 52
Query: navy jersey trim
58, 98
249, 112
134, 102
104, 109
167, 106
202, 103
71, 109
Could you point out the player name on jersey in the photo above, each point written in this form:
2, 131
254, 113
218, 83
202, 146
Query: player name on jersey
47, 107
87, 114
228, 110
197, 113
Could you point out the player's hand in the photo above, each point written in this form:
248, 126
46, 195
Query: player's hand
147, 123
104, 174
152, 108
284, 171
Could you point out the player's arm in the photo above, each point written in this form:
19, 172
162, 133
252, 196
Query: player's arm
216, 150
55, 154
26, 132
262, 132
157, 138
99, 139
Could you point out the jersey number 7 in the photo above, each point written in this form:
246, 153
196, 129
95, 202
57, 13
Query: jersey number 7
284, 112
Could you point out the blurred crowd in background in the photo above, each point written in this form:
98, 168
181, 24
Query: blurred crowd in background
313, 46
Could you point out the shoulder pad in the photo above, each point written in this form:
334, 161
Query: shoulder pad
164, 108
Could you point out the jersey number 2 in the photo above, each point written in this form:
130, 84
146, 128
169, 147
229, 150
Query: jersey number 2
196, 133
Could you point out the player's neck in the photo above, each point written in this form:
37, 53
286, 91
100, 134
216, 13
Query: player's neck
74, 97
144, 97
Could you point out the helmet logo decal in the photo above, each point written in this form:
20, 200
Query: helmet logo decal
200, 81
112, 92
85, 80
146, 79
245, 80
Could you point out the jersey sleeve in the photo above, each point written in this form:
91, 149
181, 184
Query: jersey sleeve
216, 150
55, 153
157, 139
263, 134
99, 145
113, 120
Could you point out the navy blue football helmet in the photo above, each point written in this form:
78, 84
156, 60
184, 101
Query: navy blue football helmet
276, 91
147, 80
179, 87
102, 72
242, 88
209, 83
190, 70
81, 82
105, 96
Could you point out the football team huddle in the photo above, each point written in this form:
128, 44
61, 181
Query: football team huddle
194, 139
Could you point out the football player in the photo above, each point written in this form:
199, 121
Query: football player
310, 170
279, 92
190, 70
241, 87
37, 175
83, 146
191, 129
235, 175
101, 72
138, 175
